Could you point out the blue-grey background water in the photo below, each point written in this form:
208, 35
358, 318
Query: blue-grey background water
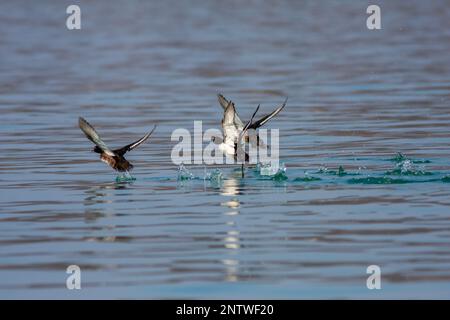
348, 199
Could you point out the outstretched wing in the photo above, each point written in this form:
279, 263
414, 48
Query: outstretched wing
266, 118
247, 125
224, 103
92, 135
135, 144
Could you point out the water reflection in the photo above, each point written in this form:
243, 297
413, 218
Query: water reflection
98, 204
230, 187
232, 244
103, 193
231, 269
231, 240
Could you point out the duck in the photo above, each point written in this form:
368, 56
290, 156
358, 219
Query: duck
231, 144
114, 158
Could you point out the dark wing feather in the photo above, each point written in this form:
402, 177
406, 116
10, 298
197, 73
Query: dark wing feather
222, 101
266, 118
92, 135
135, 144
248, 125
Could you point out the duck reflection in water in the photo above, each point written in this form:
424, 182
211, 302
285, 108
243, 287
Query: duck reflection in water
99, 210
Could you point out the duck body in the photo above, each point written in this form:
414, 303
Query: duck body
114, 158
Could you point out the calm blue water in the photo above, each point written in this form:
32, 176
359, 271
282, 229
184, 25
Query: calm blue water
364, 138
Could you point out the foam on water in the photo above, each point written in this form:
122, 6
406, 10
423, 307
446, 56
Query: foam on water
407, 167
405, 171
265, 172
184, 173
377, 180
400, 157
340, 172
125, 178
216, 175
307, 178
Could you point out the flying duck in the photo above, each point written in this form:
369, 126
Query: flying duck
114, 158
231, 145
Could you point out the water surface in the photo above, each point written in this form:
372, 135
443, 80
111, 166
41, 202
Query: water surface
364, 139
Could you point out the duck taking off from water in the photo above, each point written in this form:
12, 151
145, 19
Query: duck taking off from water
231, 145
114, 158
254, 125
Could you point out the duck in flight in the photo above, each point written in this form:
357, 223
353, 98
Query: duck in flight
231, 145
114, 158
254, 125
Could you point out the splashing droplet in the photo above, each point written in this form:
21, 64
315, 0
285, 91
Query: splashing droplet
184, 173
215, 175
